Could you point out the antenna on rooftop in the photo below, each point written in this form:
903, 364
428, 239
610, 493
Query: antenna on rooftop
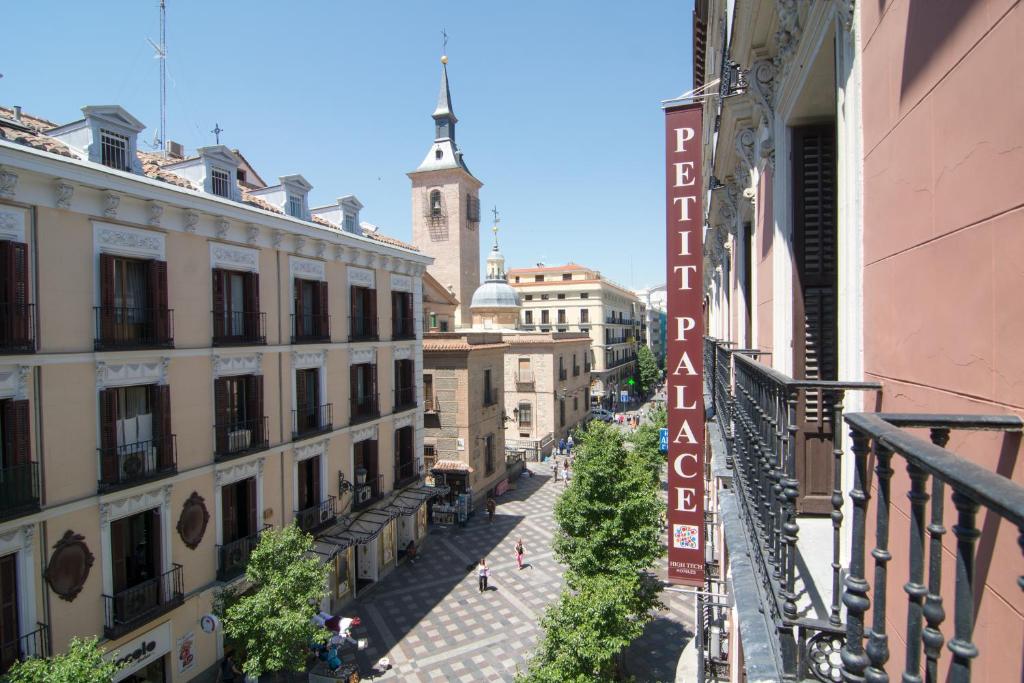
161, 54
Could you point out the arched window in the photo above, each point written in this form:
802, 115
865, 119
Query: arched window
435, 203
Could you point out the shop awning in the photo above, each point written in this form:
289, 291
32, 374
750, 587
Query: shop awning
409, 501
451, 466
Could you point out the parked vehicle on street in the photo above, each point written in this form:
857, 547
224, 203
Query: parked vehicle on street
601, 414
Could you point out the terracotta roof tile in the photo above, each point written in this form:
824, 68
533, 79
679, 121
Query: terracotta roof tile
451, 466
36, 141
152, 166
258, 202
320, 220
457, 345
34, 122
389, 240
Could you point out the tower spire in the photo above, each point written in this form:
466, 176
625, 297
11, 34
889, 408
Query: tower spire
444, 117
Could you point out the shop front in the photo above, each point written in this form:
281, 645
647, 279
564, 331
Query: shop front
456, 504
144, 659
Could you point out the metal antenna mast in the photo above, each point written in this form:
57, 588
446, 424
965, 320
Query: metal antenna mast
161, 54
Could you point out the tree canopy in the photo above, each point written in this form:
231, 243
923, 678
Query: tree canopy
647, 368
272, 622
82, 663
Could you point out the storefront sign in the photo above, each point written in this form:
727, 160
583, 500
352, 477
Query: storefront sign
186, 650
141, 652
685, 357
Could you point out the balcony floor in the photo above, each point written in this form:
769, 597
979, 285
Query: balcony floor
814, 567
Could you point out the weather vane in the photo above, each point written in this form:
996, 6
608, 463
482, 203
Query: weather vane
495, 212
444, 42
217, 130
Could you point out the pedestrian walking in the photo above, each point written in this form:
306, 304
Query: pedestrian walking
570, 444
561, 446
491, 507
565, 473
483, 573
229, 672
554, 467
520, 550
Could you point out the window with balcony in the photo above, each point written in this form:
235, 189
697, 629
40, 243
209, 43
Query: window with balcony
363, 391
364, 314
114, 150
141, 589
19, 476
369, 481
429, 457
312, 414
309, 483
402, 316
490, 397
429, 405
312, 320
236, 308
133, 309
220, 182
405, 385
9, 645
241, 426
489, 455
136, 443
16, 324
239, 528
405, 464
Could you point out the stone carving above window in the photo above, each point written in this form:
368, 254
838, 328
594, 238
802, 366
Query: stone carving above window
231, 257
129, 241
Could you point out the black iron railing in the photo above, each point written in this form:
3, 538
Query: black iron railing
403, 328
365, 407
405, 471
17, 328
405, 397
234, 439
310, 328
232, 557
128, 609
237, 328
132, 463
19, 490
318, 516
362, 328
369, 491
33, 644
563, 374
118, 327
309, 420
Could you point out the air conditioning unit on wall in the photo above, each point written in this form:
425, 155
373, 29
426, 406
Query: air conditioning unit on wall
325, 515
363, 494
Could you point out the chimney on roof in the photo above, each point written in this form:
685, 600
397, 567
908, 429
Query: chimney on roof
17, 113
175, 150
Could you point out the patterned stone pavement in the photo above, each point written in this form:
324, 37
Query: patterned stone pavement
433, 624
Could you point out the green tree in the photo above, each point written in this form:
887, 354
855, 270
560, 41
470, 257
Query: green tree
82, 663
272, 623
647, 368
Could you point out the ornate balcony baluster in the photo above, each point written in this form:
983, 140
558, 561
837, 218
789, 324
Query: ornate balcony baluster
915, 588
835, 400
790, 493
878, 642
934, 614
855, 661
962, 647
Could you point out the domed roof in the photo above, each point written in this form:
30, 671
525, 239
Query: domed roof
493, 294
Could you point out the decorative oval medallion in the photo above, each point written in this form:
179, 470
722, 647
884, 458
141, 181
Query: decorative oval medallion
193, 521
69, 566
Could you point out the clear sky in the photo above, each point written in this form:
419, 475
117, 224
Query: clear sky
558, 102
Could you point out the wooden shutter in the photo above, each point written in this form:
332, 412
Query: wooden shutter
371, 312
815, 334
297, 326
315, 479
14, 292
254, 407
219, 307
407, 298
373, 388
161, 405
108, 435
158, 300
251, 486
323, 312
8, 610
252, 305
303, 501
107, 299
16, 423
220, 413
353, 385
119, 553
354, 294
229, 508
300, 394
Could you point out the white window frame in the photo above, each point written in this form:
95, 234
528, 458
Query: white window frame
302, 454
18, 541
214, 170
113, 510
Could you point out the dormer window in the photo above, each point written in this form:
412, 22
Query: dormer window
220, 183
350, 223
295, 207
114, 150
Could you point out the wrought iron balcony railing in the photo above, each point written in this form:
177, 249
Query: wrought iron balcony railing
318, 516
403, 328
118, 327
19, 490
362, 328
232, 557
405, 472
308, 328
763, 416
405, 397
17, 328
310, 420
235, 439
133, 463
239, 328
365, 407
33, 644
128, 609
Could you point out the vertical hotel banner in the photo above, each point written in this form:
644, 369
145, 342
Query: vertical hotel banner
685, 358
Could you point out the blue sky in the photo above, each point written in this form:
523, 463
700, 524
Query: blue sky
558, 102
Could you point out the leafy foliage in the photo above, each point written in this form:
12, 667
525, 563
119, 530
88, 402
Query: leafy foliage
82, 663
272, 622
647, 368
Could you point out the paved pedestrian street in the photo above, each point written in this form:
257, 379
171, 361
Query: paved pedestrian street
431, 621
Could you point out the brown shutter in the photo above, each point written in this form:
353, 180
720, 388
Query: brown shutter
119, 553
815, 347
297, 327
300, 393
14, 292
220, 414
219, 308
373, 388
251, 485
229, 507
8, 610
161, 403
158, 300
323, 312
254, 407
252, 305
108, 435
409, 312
315, 472
16, 421
371, 315
353, 383
107, 300
303, 502
397, 380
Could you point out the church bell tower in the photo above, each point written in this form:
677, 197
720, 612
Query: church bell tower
446, 208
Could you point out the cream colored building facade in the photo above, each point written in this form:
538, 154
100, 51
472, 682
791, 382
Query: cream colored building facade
152, 440
578, 299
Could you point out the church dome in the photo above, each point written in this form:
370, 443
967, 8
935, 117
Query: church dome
492, 294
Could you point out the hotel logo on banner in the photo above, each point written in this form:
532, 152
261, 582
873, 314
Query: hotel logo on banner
685, 338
